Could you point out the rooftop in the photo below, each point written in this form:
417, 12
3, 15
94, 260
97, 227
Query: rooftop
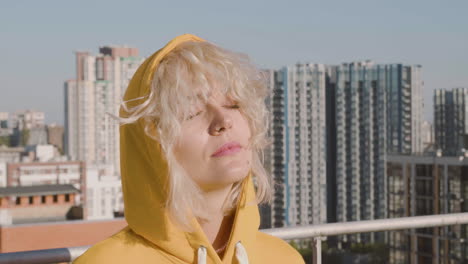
38, 190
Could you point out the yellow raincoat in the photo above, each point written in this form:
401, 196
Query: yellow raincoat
150, 236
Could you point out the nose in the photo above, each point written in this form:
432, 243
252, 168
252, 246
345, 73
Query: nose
221, 122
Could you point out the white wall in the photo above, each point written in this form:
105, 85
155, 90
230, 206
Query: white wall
3, 174
103, 193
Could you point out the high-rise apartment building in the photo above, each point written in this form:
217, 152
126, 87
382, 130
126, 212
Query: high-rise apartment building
405, 106
427, 185
104, 198
91, 134
373, 110
297, 158
451, 120
266, 210
360, 141
332, 127
427, 130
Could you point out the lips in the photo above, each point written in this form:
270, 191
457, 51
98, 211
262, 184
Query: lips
226, 149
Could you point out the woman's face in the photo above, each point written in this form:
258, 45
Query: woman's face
212, 147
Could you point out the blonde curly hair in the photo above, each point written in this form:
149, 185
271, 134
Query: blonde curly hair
201, 64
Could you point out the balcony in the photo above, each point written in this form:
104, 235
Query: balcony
317, 232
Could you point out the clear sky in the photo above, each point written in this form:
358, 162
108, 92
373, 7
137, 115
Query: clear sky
38, 38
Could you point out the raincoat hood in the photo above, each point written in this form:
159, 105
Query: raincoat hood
151, 237
145, 178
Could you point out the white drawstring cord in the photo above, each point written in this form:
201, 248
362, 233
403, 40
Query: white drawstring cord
241, 254
201, 255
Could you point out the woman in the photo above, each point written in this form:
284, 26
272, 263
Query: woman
193, 130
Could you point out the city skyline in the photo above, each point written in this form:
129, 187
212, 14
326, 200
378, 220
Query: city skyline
431, 34
349, 140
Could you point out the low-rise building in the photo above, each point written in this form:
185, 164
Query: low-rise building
43, 153
27, 119
8, 154
57, 234
39, 203
55, 136
37, 135
49, 173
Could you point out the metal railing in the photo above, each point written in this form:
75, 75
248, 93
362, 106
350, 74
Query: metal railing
317, 232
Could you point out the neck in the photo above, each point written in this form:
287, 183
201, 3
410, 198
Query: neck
218, 227
214, 199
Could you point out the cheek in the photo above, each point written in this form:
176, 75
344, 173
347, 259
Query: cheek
245, 134
245, 128
188, 148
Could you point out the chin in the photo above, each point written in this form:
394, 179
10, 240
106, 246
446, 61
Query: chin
238, 177
226, 180
235, 173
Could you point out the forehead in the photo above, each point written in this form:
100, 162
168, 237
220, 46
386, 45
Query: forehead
210, 96
205, 94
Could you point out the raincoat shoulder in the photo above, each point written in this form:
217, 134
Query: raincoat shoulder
124, 247
128, 247
270, 249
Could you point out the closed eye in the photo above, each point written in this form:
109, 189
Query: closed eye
194, 115
236, 106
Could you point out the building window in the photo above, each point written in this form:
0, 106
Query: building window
31, 199
18, 200
67, 197
55, 198
43, 199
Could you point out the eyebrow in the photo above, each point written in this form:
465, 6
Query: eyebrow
199, 95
